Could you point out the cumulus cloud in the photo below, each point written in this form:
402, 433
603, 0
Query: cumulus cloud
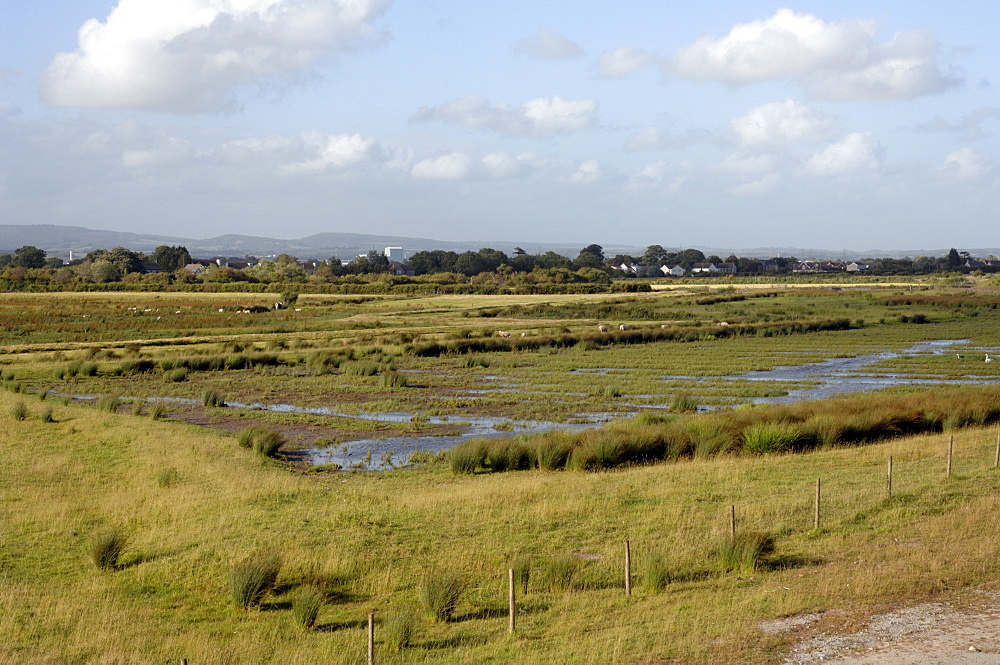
453, 166
622, 61
172, 150
968, 128
841, 61
967, 164
538, 117
332, 152
547, 44
781, 124
586, 173
857, 151
756, 164
193, 56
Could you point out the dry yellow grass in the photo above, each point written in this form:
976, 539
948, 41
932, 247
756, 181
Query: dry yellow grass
368, 538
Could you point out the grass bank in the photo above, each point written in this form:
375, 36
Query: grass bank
193, 506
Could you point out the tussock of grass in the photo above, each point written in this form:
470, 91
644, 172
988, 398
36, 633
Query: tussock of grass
397, 631
107, 547
261, 440
108, 403
656, 572
19, 411
744, 552
440, 594
561, 572
252, 578
212, 398
306, 604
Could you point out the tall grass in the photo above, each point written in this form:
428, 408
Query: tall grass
19, 411
306, 604
561, 572
467, 457
744, 552
252, 578
397, 631
109, 403
765, 437
107, 547
261, 440
441, 592
212, 398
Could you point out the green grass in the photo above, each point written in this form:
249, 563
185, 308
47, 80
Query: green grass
107, 547
440, 593
252, 578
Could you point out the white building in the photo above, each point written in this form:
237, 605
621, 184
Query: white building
395, 254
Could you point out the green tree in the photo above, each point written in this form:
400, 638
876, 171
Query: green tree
689, 257
954, 258
28, 256
171, 258
655, 255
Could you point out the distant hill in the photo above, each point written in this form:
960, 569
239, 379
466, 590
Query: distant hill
60, 240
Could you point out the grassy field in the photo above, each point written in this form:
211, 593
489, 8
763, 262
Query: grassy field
192, 503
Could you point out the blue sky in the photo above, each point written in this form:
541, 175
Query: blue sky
826, 125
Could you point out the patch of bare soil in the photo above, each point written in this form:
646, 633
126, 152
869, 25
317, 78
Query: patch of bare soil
943, 633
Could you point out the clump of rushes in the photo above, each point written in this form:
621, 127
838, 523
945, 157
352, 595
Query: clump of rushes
306, 604
106, 548
19, 411
253, 578
157, 411
46, 416
683, 404
357, 368
261, 440
398, 629
440, 594
137, 407
561, 573
467, 456
764, 437
176, 374
393, 380
656, 573
522, 574
108, 403
744, 552
212, 398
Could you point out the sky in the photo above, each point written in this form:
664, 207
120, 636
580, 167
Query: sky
820, 124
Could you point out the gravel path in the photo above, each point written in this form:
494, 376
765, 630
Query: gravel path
932, 633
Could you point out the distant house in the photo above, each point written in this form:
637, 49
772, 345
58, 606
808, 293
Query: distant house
397, 268
676, 271
703, 268
818, 266
727, 268
151, 268
857, 266
194, 268
630, 268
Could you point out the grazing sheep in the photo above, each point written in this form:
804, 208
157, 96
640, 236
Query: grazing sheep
623, 327
723, 324
526, 334
602, 328
503, 333
665, 325
279, 305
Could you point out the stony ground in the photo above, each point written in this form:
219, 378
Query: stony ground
961, 632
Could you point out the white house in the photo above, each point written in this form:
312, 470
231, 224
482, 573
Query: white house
395, 254
676, 271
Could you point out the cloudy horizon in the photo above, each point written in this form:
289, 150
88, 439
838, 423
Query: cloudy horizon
820, 125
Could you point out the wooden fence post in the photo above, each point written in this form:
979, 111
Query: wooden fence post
951, 448
816, 516
732, 521
371, 639
996, 460
510, 601
184, 661
888, 481
628, 569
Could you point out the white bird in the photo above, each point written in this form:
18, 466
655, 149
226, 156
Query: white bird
988, 359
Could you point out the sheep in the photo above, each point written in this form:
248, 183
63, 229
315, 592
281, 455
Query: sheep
279, 305
623, 327
526, 334
602, 328
665, 325
723, 324
503, 333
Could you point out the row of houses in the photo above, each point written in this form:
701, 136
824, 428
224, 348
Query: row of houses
830, 266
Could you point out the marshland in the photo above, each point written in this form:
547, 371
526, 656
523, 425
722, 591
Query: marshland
164, 452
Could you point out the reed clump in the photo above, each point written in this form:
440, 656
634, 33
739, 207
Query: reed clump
744, 552
252, 578
107, 547
440, 594
306, 604
261, 440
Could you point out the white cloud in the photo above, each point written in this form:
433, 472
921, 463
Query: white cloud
538, 117
839, 61
968, 128
171, 151
658, 176
648, 138
332, 152
967, 164
453, 166
547, 44
193, 55
586, 173
500, 165
622, 61
746, 164
781, 124
857, 151
757, 187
